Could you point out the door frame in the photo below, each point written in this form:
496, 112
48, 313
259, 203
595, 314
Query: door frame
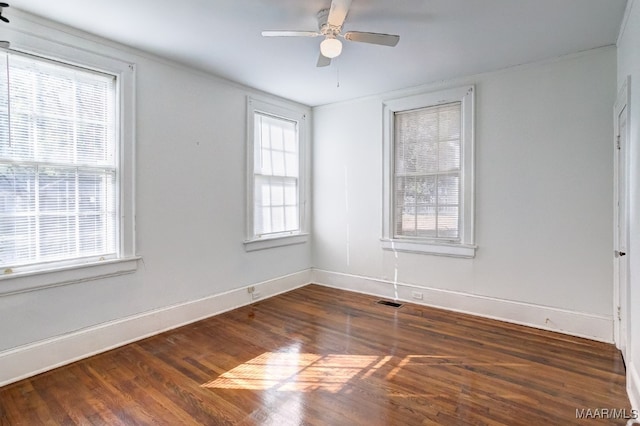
621, 289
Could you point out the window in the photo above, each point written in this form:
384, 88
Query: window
276, 164
429, 173
65, 184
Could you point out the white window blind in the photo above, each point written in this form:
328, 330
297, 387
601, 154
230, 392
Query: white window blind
276, 175
58, 163
427, 174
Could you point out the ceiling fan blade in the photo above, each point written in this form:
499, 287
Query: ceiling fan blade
278, 33
338, 12
373, 38
4, 4
4, 19
323, 61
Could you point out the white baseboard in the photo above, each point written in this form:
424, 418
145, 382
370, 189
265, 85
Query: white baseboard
633, 386
579, 324
29, 360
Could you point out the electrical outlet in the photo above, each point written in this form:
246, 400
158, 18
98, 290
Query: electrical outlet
416, 295
251, 289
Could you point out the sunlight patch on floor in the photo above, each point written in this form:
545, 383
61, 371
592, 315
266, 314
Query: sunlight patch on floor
305, 372
296, 372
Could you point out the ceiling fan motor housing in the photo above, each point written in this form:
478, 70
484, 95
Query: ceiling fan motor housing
324, 28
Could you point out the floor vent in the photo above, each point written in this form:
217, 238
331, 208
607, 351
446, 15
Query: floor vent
389, 303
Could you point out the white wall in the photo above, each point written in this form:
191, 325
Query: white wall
190, 205
629, 64
543, 194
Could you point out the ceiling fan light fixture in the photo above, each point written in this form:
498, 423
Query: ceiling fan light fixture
330, 47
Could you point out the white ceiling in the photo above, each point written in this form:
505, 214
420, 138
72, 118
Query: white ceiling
439, 39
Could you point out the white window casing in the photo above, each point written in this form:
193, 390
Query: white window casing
277, 169
73, 153
428, 172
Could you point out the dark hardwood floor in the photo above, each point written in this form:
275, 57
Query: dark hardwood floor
321, 356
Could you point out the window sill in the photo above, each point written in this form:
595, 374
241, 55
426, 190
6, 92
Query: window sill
21, 282
439, 249
266, 243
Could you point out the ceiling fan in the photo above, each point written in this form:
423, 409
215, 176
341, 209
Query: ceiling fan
330, 26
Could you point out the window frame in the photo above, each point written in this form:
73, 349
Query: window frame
466, 246
285, 111
51, 274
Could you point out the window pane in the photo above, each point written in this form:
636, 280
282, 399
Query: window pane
426, 190
291, 218
92, 141
57, 190
93, 190
277, 193
449, 121
57, 237
276, 135
54, 140
278, 163
262, 222
448, 222
92, 236
449, 155
265, 162
277, 219
290, 139
263, 193
54, 94
448, 190
426, 221
17, 214
416, 141
418, 157
93, 99
291, 193
406, 220
17, 239
405, 190
291, 164
21, 147
263, 132
17, 189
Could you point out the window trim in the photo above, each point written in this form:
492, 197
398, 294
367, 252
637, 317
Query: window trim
44, 275
466, 247
300, 116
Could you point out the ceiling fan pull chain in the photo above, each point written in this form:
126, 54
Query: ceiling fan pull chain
338, 73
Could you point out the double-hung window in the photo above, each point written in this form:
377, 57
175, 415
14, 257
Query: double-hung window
429, 173
62, 199
276, 175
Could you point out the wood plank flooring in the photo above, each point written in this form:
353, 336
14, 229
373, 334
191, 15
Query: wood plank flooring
320, 356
